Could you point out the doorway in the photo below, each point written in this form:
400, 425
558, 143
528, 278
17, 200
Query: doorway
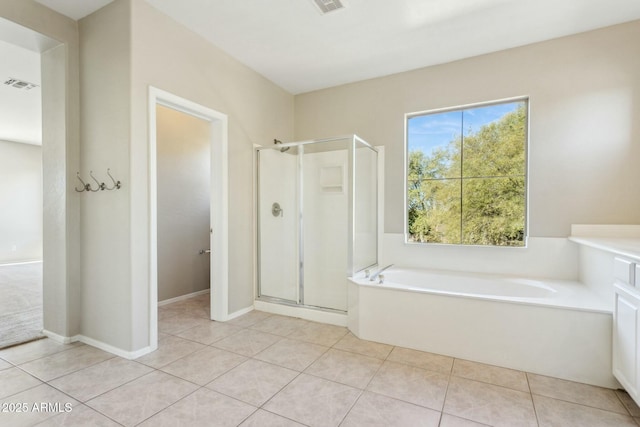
183, 153
163, 103
21, 184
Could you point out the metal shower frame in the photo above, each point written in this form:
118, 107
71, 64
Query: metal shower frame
351, 141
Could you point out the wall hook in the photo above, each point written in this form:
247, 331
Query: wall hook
85, 186
116, 184
101, 185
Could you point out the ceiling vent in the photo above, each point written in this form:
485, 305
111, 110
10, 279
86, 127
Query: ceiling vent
327, 6
20, 84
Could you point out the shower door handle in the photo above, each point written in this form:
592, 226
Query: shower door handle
276, 210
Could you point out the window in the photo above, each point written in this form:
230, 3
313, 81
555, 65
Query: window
466, 175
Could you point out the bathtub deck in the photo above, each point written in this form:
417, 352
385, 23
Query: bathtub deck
566, 294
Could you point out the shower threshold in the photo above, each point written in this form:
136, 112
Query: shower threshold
307, 312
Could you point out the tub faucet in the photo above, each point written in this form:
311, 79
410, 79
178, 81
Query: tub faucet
377, 273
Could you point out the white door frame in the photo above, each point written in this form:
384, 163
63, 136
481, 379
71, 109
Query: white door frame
219, 204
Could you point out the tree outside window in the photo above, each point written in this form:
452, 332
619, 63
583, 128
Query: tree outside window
466, 180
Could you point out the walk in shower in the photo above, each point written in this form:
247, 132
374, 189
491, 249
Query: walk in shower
317, 218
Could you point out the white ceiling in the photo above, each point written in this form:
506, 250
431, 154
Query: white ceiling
293, 45
24, 37
75, 9
20, 109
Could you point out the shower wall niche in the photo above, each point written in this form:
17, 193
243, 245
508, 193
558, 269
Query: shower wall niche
317, 219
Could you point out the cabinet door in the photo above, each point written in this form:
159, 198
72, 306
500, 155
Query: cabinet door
626, 325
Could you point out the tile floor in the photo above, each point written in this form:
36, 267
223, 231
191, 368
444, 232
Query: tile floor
267, 370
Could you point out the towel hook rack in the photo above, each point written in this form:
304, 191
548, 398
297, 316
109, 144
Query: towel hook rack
100, 185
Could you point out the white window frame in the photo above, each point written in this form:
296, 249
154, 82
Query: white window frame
408, 116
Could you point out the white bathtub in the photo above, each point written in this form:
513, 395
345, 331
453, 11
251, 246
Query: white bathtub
549, 327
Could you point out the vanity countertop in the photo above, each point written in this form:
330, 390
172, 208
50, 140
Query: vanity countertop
625, 246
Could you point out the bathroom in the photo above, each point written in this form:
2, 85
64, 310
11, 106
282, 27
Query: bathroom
582, 158
566, 114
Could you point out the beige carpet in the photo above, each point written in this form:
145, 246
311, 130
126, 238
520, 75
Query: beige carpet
20, 303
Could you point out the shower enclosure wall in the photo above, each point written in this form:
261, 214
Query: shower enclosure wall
317, 219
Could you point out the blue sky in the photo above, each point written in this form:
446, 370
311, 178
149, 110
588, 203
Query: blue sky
436, 130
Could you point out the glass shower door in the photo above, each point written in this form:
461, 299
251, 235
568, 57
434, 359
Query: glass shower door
317, 219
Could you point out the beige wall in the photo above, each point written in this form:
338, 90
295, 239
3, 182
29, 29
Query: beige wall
184, 194
60, 153
584, 131
21, 201
168, 56
127, 47
105, 65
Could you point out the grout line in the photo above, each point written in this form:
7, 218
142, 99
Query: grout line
100, 413
526, 376
62, 392
355, 402
121, 385
492, 384
533, 402
26, 389
81, 403
71, 346
248, 416
179, 358
376, 372
446, 392
467, 419
283, 416
453, 364
582, 404
165, 408
252, 356
282, 388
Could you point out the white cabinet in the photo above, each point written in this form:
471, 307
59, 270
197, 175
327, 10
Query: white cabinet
626, 338
624, 270
613, 264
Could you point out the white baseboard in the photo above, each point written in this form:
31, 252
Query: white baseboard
97, 344
337, 319
182, 297
59, 338
239, 313
114, 350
